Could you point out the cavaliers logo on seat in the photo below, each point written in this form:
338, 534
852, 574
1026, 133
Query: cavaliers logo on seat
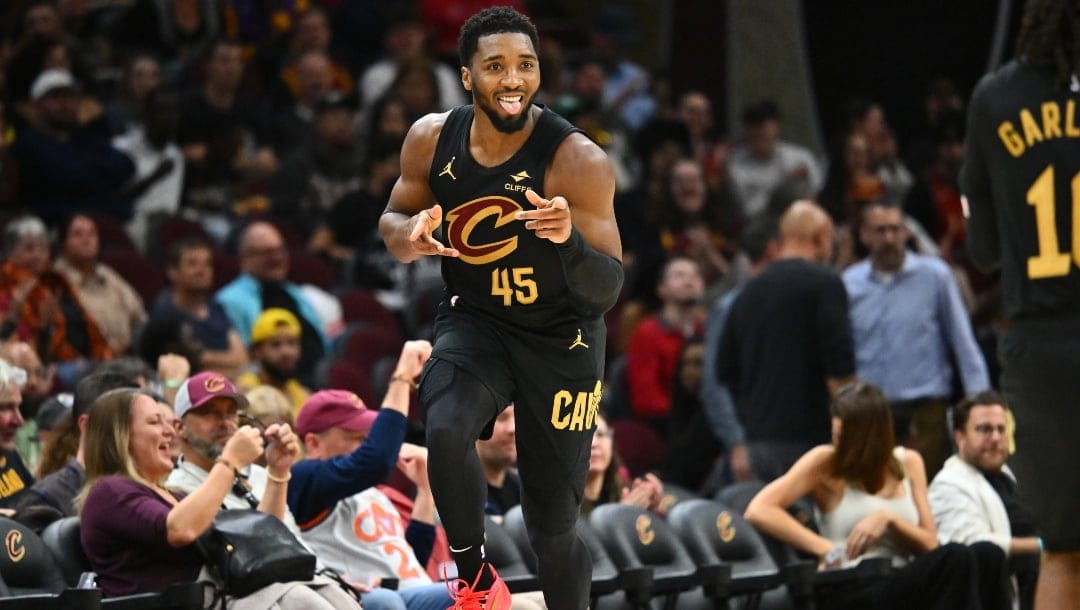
13, 543
465, 218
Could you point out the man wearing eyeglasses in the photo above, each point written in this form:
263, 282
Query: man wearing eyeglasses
907, 318
207, 408
974, 497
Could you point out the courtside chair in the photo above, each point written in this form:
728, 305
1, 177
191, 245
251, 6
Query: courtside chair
31, 578
501, 551
714, 534
800, 572
64, 547
634, 537
606, 579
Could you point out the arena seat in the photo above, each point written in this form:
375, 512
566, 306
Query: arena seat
605, 576
144, 276
503, 553
714, 534
635, 538
31, 577
307, 268
64, 545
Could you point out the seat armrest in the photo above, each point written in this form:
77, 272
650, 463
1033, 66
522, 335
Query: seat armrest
180, 596
715, 580
637, 583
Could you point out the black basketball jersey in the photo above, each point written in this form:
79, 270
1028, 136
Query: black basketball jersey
504, 269
1021, 177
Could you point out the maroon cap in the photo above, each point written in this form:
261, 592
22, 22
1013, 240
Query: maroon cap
197, 390
334, 409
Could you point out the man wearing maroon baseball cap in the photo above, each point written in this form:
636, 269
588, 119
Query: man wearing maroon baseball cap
351, 449
207, 407
198, 390
334, 409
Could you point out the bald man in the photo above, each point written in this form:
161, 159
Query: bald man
786, 347
262, 284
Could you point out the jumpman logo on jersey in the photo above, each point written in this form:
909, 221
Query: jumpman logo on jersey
578, 342
449, 169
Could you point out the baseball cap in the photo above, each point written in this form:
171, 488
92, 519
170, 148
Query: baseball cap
199, 389
334, 409
270, 320
51, 80
53, 411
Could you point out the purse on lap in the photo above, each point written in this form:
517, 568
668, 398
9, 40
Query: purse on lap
247, 550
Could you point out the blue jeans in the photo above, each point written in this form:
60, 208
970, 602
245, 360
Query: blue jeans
424, 597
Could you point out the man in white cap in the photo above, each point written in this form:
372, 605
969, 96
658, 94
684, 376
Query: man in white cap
59, 172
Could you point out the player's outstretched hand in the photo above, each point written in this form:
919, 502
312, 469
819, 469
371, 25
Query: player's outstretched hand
551, 218
421, 226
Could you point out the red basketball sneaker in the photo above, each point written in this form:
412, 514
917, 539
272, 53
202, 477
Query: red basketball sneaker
466, 597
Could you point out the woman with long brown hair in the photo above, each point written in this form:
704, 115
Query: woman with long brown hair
871, 501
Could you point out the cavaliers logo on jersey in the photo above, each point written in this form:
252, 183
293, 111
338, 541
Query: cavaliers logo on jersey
464, 219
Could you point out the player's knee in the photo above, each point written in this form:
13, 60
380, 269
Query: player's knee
442, 438
551, 544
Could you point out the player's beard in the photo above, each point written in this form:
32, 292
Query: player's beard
510, 125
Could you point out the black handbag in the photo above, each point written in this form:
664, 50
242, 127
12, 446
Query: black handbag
247, 549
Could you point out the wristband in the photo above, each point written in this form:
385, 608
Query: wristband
403, 379
1039, 539
229, 465
172, 384
282, 480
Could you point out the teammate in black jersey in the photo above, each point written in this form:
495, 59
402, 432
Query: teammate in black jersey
1021, 177
531, 262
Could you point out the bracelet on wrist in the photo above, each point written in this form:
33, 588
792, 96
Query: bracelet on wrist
172, 384
226, 463
281, 480
403, 379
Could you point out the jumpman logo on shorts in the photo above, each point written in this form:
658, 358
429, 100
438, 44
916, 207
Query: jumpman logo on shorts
449, 169
578, 342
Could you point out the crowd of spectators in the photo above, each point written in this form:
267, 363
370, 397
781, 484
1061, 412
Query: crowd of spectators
190, 190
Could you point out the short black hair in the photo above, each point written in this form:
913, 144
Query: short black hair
493, 20
962, 411
759, 112
94, 385
757, 235
176, 251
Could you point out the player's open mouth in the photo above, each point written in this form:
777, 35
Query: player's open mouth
510, 103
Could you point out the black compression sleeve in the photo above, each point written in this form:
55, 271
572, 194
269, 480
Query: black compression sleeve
595, 279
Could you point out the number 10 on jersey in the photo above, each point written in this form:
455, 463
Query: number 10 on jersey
1051, 262
522, 290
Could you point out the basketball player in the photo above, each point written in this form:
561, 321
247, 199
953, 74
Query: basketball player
1021, 177
531, 260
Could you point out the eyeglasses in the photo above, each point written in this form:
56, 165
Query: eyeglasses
247, 419
270, 251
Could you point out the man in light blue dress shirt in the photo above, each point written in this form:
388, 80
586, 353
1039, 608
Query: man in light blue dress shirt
907, 318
